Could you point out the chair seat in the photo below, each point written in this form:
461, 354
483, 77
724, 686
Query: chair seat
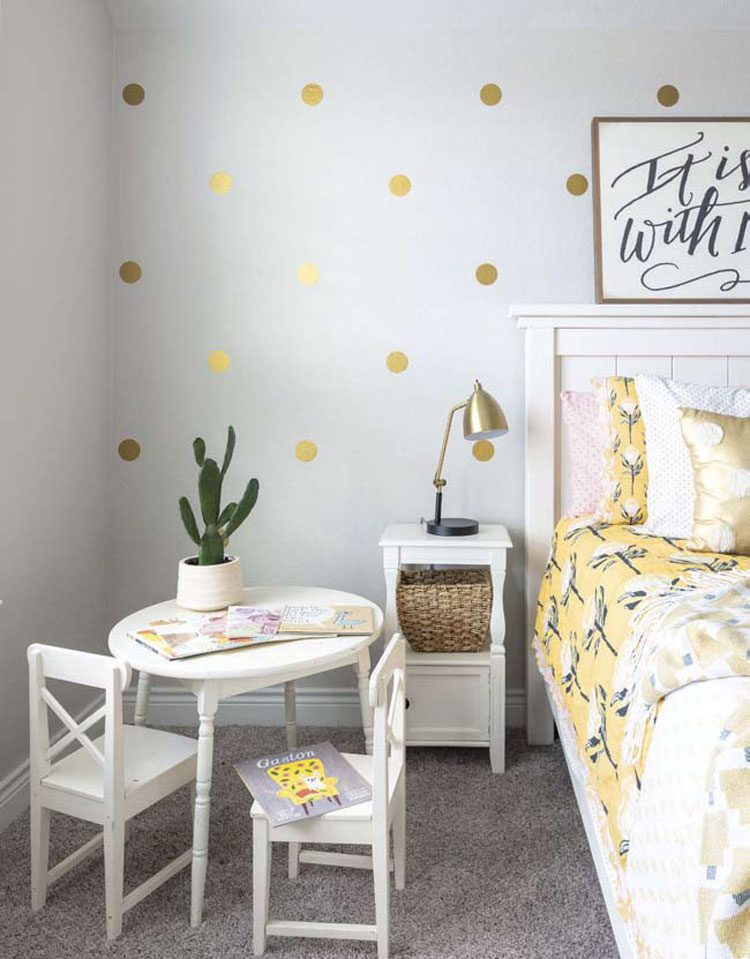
148, 754
362, 812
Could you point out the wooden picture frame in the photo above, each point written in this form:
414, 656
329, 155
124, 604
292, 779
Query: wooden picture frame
671, 209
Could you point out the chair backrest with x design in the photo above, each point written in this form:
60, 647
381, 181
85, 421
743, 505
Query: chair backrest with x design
85, 669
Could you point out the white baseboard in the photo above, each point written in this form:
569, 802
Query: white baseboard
14, 794
515, 708
174, 706
316, 706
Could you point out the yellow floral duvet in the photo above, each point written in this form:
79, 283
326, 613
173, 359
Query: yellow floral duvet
624, 619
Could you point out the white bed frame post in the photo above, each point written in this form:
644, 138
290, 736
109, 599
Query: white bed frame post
541, 508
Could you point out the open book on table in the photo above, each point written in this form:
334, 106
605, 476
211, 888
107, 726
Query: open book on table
243, 626
187, 636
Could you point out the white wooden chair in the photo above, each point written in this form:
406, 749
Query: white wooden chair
107, 780
367, 824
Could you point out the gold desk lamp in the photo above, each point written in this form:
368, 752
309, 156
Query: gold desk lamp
483, 420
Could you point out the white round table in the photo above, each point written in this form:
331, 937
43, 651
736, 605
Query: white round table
217, 676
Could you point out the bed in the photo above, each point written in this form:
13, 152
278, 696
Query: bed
644, 780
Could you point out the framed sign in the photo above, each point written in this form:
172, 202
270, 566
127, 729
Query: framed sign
672, 209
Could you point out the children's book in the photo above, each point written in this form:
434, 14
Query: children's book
355, 620
210, 633
192, 636
244, 621
303, 782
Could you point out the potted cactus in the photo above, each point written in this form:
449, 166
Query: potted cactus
212, 580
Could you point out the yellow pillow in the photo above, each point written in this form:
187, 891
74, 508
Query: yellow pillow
625, 471
719, 447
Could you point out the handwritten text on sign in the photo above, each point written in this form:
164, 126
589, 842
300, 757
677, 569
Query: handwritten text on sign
675, 209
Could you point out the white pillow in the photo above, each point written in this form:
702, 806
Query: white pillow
671, 492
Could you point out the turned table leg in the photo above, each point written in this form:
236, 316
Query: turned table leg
290, 714
141, 699
207, 705
363, 681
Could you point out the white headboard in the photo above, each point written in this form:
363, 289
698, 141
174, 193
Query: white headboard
565, 346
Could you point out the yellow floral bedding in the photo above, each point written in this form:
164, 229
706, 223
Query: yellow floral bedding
625, 618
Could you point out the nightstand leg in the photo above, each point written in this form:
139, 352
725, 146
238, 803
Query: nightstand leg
390, 571
497, 709
497, 664
363, 680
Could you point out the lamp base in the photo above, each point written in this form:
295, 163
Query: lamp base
457, 526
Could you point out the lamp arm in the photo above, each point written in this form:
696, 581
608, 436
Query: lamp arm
438, 482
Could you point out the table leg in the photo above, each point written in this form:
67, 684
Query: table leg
363, 679
207, 705
290, 714
141, 699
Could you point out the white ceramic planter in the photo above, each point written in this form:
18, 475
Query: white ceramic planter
204, 588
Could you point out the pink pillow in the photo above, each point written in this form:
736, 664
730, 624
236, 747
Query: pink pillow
587, 439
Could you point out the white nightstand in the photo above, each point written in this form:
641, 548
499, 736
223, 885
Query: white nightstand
454, 699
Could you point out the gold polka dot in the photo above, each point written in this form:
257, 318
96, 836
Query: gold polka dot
399, 185
130, 272
668, 95
397, 361
129, 450
308, 274
306, 451
218, 361
221, 182
486, 274
133, 94
576, 184
312, 94
491, 94
483, 450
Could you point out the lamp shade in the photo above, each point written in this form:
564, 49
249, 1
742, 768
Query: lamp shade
483, 416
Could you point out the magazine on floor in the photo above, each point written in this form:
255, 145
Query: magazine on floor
303, 782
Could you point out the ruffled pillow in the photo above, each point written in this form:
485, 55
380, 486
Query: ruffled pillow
586, 439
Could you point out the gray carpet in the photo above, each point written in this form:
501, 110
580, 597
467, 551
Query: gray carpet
497, 868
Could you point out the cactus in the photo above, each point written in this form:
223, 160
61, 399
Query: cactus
219, 523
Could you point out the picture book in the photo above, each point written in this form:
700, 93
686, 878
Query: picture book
192, 636
244, 621
356, 620
216, 632
303, 782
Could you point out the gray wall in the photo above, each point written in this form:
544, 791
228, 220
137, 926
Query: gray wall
222, 80
401, 95
55, 109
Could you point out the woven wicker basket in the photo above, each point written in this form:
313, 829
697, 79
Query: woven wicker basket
444, 610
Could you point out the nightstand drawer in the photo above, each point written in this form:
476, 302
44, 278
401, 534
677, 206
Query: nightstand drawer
446, 703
